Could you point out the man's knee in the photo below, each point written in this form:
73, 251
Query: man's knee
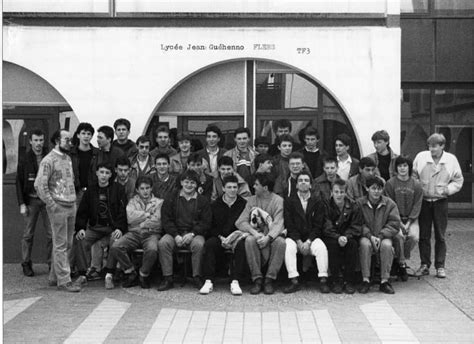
386, 245
197, 243
250, 242
318, 246
278, 244
166, 243
291, 247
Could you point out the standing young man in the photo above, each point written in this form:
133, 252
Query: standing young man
440, 176
212, 152
347, 166
323, 184
262, 218
163, 143
142, 162
107, 153
186, 218
54, 185
122, 131
179, 161
313, 155
286, 187
304, 220
164, 183
122, 171
262, 144
226, 168
281, 127
242, 154
356, 184
407, 193
31, 206
383, 156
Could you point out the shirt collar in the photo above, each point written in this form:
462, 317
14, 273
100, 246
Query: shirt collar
302, 198
182, 194
348, 160
311, 151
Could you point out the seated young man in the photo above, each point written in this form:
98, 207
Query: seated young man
226, 168
304, 220
164, 183
262, 218
407, 193
381, 224
225, 211
144, 231
101, 213
356, 184
187, 217
341, 235
323, 183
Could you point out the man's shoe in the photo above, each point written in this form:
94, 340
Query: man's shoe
257, 287
386, 288
166, 284
109, 282
27, 269
92, 274
52, 283
144, 282
235, 288
81, 281
424, 270
441, 273
364, 288
402, 272
337, 287
268, 287
349, 288
197, 281
131, 280
293, 287
206, 288
323, 286
69, 287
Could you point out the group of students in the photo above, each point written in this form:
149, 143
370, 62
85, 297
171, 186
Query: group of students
264, 208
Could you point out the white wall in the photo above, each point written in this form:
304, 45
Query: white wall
106, 73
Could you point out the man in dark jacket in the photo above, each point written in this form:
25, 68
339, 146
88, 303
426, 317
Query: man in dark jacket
341, 234
31, 206
225, 211
186, 218
304, 220
122, 130
101, 213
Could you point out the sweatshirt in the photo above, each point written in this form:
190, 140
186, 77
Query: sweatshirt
407, 195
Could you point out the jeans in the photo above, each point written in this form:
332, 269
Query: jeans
62, 225
35, 209
318, 250
133, 240
435, 213
403, 245
342, 256
93, 235
386, 257
166, 247
273, 254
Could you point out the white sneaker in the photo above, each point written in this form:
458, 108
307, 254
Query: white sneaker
109, 282
440, 273
235, 288
206, 288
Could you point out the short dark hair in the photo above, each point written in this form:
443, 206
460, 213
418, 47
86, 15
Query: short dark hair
284, 138
344, 138
143, 139
374, 180
402, 159
329, 160
339, 182
230, 179
162, 156
305, 173
214, 129
311, 131
225, 160
162, 129
184, 136
122, 121
281, 123
366, 162
261, 158
106, 165
107, 131
143, 179
265, 179
189, 174
194, 157
262, 140
296, 155
82, 126
381, 135
242, 130
57, 136
36, 132
123, 161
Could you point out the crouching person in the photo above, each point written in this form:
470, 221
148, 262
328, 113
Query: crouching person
102, 212
144, 231
262, 218
341, 234
304, 219
186, 218
381, 224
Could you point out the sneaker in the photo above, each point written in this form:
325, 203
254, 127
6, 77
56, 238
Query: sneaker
206, 288
166, 284
27, 269
440, 273
109, 282
235, 288
257, 287
424, 270
364, 288
323, 286
293, 287
81, 281
349, 288
402, 272
69, 287
386, 288
131, 280
92, 274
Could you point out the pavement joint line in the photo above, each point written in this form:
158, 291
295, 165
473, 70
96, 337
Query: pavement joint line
326, 328
152, 333
14, 307
390, 327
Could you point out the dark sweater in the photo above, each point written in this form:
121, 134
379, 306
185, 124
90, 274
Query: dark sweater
224, 217
129, 148
300, 224
347, 222
25, 176
79, 175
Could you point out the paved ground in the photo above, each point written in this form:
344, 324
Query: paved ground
426, 310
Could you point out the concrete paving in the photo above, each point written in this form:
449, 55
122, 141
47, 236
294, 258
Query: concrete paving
421, 311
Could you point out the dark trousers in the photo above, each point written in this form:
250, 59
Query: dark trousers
93, 234
215, 253
436, 214
342, 256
